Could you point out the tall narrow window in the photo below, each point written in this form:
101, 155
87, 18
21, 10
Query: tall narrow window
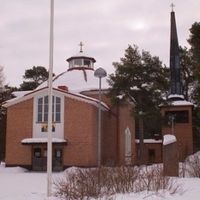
78, 62
86, 63
42, 109
40, 103
58, 108
46, 105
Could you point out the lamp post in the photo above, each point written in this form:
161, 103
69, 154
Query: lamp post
99, 73
49, 143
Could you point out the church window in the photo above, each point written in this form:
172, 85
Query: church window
46, 108
57, 108
42, 109
179, 116
86, 63
37, 153
78, 62
71, 64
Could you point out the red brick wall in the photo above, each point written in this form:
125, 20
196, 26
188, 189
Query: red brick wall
95, 94
19, 126
80, 129
109, 138
115, 124
183, 131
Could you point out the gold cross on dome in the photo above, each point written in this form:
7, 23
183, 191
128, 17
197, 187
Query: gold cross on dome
172, 6
81, 47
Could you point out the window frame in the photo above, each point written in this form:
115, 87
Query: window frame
42, 109
180, 116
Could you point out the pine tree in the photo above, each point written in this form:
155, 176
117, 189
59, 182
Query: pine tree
187, 72
194, 41
35, 76
2, 114
1, 77
144, 80
5, 94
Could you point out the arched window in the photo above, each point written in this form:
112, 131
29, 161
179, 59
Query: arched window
42, 109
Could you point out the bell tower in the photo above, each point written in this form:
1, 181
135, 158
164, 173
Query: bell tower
177, 113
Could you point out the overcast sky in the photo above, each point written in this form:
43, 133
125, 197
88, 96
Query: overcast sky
106, 27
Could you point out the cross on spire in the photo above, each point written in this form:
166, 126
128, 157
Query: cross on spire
81, 47
172, 6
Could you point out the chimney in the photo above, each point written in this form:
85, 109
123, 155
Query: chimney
63, 87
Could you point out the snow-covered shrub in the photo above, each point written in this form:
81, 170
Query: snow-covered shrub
105, 182
152, 178
192, 165
78, 184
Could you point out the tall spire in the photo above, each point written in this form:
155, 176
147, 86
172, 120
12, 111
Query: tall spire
176, 92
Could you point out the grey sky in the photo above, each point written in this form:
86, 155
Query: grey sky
106, 27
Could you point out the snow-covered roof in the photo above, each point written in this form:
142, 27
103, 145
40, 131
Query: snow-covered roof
178, 103
168, 139
76, 96
81, 55
173, 96
77, 81
181, 103
41, 140
20, 93
149, 141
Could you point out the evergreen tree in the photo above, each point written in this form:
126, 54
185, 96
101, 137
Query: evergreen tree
187, 72
143, 79
1, 77
35, 77
5, 94
194, 41
2, 118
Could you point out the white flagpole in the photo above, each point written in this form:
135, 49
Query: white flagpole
49, 145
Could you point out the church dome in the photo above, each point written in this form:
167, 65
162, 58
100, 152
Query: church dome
80, 75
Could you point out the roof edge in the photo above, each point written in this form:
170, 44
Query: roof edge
80, 97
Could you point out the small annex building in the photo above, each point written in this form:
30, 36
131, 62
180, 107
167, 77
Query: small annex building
75, 123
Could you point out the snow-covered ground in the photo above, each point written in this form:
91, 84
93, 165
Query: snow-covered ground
18, 184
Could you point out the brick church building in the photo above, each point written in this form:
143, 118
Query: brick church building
75, 120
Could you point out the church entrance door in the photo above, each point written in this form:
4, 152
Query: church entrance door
39, 158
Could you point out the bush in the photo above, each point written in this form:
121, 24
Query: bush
191, 166
104, 181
